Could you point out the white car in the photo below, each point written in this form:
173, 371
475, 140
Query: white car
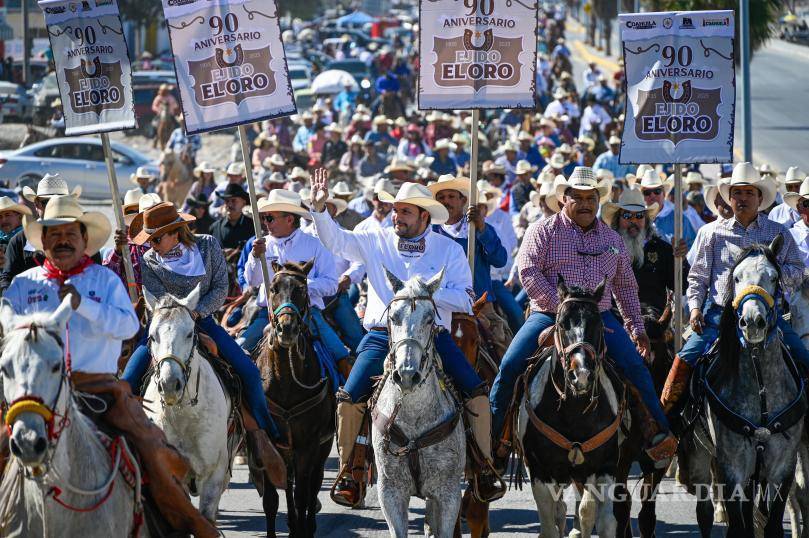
15, 102
79, 160
300, 76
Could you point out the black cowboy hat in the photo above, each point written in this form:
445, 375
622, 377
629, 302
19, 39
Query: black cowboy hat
234, 190
197, 201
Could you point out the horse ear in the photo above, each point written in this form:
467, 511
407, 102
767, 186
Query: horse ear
6, 315
276, 267
395, 284
63, 312
599, 291
561, 287
191, 301
777, 243
306, 267
434, 283
149, 299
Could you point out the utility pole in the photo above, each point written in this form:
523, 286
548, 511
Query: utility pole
26, 46
744, 46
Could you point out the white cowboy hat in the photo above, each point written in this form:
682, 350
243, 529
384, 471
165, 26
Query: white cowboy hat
7, 204
710, 196
274, 159
272, 177
525, 135
341, 188
135, 220
333, 128
131, 199
557, 161
204, 168
652, 180
50, 185
508, 146
548, 190
494, 168
582, 179
339, 205
235, 169
794, 175
458, 138
285, 201
420, 196
746, 174
355, 140
299, 172
262, 137
381, 120
484, 187
693, 177
448, 182
524, 167
443, 143
384, 185
614, 141
791, 198
632, 179
141, 173
399, 165
559, 93
64, 209
604, 174
631, 200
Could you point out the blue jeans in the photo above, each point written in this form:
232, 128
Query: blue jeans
522, 299
371, 358
228, 350
621, 350
698, 344
347, 321
507, 302
354, 294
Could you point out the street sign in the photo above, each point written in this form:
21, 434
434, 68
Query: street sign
681, 90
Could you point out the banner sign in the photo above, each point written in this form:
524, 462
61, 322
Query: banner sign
477, 54
681, 87
92, 65
230, 62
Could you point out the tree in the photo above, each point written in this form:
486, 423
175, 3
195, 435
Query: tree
140, 12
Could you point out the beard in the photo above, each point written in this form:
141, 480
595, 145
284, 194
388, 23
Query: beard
634, 245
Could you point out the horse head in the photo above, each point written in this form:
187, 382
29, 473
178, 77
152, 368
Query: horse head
579, 336
756, 276
33, 378
289, 301
172, 342
411, 326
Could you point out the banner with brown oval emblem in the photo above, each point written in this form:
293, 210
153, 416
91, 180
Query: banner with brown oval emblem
477, 54
230, 62
681, 91
92, 65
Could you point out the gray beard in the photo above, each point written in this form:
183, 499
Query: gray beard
634, 245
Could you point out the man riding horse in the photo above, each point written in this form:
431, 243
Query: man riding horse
583, 250
718, 245
411, 248
103, 318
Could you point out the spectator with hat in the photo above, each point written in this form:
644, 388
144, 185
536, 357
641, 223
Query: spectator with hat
275, 163
352, 157
459, 153
522, 187
785, 213
371, 164
234, 228
144, 179
334, 148
444, 163
204, 184
198, 208
346, 217
301, 139
508, 159
265, 146
609, 159
379, 134
234, 175
412, 144
656, 191
799, 201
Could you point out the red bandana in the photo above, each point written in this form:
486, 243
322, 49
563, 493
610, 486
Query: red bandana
54, 273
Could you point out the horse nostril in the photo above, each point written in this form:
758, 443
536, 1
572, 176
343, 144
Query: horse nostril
397, 378
15, 448
416, 378
40, 445
760, 322
742, 323
177, 385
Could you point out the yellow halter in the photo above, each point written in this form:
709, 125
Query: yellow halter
753, 290
27, 406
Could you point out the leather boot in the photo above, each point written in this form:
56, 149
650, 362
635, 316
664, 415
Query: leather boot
487, 485
165, 467
676, 383
347, 491
660, 444
262, 453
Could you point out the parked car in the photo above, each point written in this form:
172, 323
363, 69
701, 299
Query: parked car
144, 88
79, 160
304, 98
300, 76
43, 94
17, 103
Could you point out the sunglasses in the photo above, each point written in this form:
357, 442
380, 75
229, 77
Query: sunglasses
158, 239
631, 215
658, 191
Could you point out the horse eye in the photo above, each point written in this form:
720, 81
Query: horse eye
190, 334
736, 279
55, 368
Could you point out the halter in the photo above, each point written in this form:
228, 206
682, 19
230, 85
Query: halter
596, 354
409, 340
185, 365
290, 308
756, 293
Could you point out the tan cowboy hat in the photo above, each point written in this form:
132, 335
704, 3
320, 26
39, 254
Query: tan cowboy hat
485, 188
262, 137
135, 220
524, 167
794, 175
443, 143
458, 138
587, 141
384, 185
791, 198
557, 161
235, 169
631, 200
56, 102
582, 179
131, 199
7, 204
652, 180
399, 165
299, 173
448, 182
746, 174
381, 120
165, 86
204, 168
141, 172
285, 201
692, 178
158, 220
494, 168
64, 209
341, 188
50, 185
333, 128
420, 196
548, 190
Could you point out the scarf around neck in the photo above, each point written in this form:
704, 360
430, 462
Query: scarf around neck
54, 273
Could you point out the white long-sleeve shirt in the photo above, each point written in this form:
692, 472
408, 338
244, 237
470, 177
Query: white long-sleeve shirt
800, 233
296, 247
378, 250
103, 320
501, 222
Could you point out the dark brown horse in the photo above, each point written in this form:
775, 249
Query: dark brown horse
661, 337
301, 400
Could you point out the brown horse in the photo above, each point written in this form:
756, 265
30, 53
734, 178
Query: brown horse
164, 123
300, 399
175, 176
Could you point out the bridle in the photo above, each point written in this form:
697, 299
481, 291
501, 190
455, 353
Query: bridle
594, 352
425, 350
289, 308
759, 294
185, 365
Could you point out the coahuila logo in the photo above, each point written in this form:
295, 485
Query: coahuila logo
641, 25
716, 22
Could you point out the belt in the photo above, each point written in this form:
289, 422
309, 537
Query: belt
379, 329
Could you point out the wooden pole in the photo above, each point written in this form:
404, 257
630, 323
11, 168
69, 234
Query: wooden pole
251, 189
473, 187
678, 262
118, 210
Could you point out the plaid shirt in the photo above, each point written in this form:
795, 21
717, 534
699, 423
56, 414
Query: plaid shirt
557, 245
717, 246
115, 263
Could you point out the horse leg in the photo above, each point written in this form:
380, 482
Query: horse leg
623, 498
445, 513
739, 507
546, 496
270, 505
394, 505
477, 516
211, 490
303, 476
647, 518
292, 511
605, 517
315, 483
777, 498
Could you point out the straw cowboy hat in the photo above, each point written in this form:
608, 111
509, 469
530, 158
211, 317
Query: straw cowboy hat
56, 102
548, 190
524, 167
7, 204
484, 187
273, 160
557, 161
695, 178
443, 143
384, 185
204, 168
141, 173
131, 200
582, 179
652, 180
794, 175
135, 220
631, 200
65, 209
448, 182
341, 188
235, 169
299, 173
791, 198
746, 174
48, 186
420, 196
399, 165
381, 120
284, 201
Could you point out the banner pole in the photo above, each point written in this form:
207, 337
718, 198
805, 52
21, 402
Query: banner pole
473, 187
251, 189
118, 210
678, 262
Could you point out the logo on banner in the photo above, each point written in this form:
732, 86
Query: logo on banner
477, 59
716, 22
677, 112
687, 24
232, 75
96, 88
641, 25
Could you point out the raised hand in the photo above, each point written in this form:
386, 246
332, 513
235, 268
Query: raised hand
320, 189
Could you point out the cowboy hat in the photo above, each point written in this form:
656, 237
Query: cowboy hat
631, 179
399, 165
559, 93
484, 187
165, 86
65, 209
7, 204
587, 141
791, 198
272, 177
333, 128
692, 178
652, 180
131, 199
582, 179
135, 220
273, 160
631, 200
160, 219
494, 168
766, 169
50, 185
710, 197
420, 196
384, 185
525, 135
794, 175
339, 204
381, 120
204, 168
355, 140
141, 173
614, 141
458, 138
545, 122
235, 169
284, 201
557, 161
233, 190
299, 172
508, 146
746, 174
341, 188
603, 173
547, 189
448, 182
524, 167
262, 137
443, 143
56, 102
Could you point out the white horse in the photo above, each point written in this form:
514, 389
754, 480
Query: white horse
189, 403
413, 401
58, 464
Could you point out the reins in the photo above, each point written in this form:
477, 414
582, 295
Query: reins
185, 366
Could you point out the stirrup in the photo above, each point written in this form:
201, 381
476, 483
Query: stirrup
347, 499
498, 486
